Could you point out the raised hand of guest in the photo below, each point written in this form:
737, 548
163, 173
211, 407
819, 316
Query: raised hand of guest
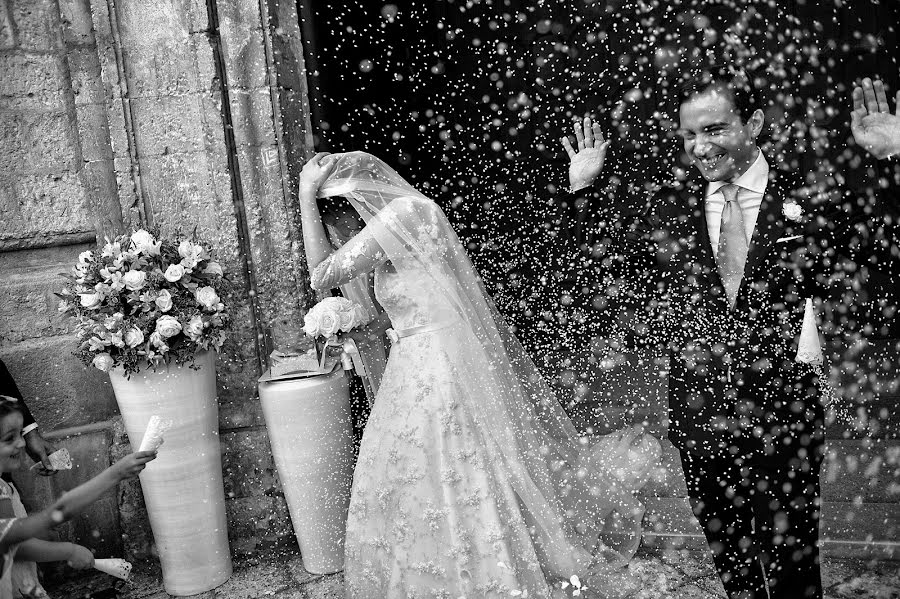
587, 156
873, 126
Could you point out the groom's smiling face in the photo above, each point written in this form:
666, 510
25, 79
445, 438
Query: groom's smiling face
720, 143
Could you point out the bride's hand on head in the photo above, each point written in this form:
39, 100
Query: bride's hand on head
587, 157
315, 171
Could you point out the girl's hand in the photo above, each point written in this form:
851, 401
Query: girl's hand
132, 464
80, 557
315, 171
39, 449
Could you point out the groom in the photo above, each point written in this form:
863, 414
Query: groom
731, 258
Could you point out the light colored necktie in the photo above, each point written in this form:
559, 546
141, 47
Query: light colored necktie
732, 244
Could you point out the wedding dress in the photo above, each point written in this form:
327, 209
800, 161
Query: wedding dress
471, 480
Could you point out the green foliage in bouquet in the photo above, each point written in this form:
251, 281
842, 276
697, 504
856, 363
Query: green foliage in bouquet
140, 301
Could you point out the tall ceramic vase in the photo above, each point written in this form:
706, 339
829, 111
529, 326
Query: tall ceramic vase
311, 432
183, 486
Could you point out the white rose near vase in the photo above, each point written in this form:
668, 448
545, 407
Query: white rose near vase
149, 313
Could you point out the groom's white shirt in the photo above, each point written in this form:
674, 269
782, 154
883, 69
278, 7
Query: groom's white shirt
751, 187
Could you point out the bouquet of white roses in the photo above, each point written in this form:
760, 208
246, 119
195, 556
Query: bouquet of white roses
333, 315
329, 317
142, 299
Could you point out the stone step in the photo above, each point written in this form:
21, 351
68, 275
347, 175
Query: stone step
853, 471
867, 530
28, 306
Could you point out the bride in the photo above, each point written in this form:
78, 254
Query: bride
471, 480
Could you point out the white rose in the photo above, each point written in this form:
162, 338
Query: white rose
348, 320
134, 337
312, 323
103, 362
167, 326
164, 301
144, 242
194, 328
91, 301
174, 273
331, 323
213, 268
134, 279
207, 297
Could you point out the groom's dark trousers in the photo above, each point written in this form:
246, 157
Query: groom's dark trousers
745, 415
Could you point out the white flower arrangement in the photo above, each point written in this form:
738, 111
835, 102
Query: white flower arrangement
140, 300
324, 322
333, 315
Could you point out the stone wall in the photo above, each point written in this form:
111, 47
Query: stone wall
165, 114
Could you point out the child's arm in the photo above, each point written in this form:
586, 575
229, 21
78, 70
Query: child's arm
75, 501
39, 550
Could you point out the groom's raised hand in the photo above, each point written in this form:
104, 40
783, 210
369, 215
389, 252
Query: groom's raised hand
872, 124
585, 163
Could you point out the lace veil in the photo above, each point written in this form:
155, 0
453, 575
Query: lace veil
575, 492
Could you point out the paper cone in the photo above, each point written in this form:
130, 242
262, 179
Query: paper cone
153, 436
114, 566
59, 460
809, 348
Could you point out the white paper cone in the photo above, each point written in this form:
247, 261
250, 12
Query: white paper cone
809, 348
153, 436
59, 460
114, 566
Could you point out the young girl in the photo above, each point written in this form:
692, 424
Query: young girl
19, 536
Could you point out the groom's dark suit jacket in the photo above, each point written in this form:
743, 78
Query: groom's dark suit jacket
734, 384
